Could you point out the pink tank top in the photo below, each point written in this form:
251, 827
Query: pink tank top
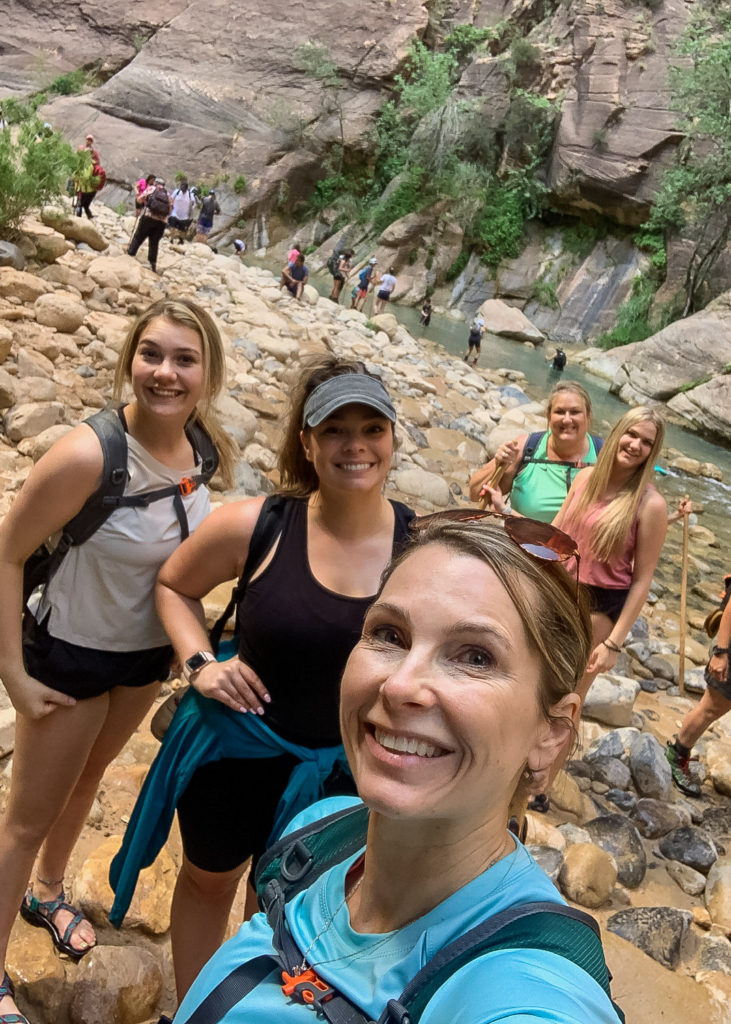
615, 574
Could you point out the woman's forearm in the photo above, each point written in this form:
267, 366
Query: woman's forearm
11, 612
184, 621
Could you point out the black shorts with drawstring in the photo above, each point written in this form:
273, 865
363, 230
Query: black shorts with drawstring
85, 672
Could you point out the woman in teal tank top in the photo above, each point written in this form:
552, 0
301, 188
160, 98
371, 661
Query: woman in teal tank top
538, 472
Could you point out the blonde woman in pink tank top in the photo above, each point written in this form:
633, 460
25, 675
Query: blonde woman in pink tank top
618, 521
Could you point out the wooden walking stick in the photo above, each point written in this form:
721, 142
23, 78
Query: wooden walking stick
683, 597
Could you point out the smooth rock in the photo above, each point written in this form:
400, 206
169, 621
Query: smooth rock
654, 818
612, 772
20, 285
690, 845
60, 310
657, 931
11, 256
76, 229
718, 894
509, 322
30, 419
650, 768
37, 446
116, 985
566, 795
547, 859
588, 875
420, 484
611, 700
618, 836
688, 879
7, 390
718, 761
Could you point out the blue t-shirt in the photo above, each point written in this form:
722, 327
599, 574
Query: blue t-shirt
523, 986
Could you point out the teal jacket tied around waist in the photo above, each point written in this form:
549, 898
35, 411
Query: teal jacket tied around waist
201, 731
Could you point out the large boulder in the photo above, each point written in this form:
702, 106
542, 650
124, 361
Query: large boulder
61, 310
615, 834
21, 285
32, 418
76, 229
657, 931
509, 322
611, 700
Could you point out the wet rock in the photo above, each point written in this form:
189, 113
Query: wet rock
612, 772
547, 859
509, 322
611, 700
718, 894
654, 818
622, 799
690, 845
688, 879
657, 931
588, 875
650, 768
618, 836
116, 985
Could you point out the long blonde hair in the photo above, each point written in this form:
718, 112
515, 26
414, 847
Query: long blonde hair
189, 314
610, 530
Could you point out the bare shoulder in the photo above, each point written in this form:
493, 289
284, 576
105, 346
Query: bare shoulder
653, 503
235, 520
76, 456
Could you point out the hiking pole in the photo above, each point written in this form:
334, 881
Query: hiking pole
492, 482
683, 598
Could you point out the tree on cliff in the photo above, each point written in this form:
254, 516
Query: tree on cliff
694, 199
35, 164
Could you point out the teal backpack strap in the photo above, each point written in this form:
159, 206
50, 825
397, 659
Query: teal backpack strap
553, 927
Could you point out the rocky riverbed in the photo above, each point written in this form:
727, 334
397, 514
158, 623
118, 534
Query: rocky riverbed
654, 867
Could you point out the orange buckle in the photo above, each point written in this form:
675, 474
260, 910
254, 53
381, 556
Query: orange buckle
187, 486
307, 987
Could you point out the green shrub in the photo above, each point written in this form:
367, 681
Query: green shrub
632, 316
239, 185
70, 83
526, 57
581, 237
371, 326
458, 266
34, 169
407, 197
544, 292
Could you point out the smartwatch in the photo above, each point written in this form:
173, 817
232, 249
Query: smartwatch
720, 650
193, 664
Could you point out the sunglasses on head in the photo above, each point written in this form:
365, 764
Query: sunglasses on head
541, 541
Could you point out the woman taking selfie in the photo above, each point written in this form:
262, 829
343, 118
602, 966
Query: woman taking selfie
458, 693
88, 664
537, 470
259, 732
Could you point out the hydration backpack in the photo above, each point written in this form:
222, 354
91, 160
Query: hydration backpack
158, 202
365, 276
109, 426
101, 174
333, 263
296, 861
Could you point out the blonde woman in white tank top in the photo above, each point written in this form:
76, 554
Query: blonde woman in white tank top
96, 639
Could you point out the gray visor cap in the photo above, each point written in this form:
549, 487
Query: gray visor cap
346, 389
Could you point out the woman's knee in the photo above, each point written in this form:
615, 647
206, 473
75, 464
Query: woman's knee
210, 884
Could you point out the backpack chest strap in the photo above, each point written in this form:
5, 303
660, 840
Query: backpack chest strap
175, 491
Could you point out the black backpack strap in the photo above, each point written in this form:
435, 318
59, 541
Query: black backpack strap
110, 431
232, 989
598, 443
268, 527
404, 517
553, 927
530, 447
204, 448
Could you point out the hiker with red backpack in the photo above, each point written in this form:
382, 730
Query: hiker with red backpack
151, 225
87, 663
90, 180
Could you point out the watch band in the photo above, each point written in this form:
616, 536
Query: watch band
193, 665
720, 650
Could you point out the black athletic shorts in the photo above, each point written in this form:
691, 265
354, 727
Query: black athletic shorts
722, 686
607, 600
227, 812
84, 672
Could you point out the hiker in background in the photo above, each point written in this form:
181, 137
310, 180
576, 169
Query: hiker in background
365, 278
292, 255
384, 289
151, 225
538, 469
141, 187
209, 209
339, 266
181, 214
87, 184
426, 312
271, 711
239, 247
464, 673
294, 278
474, 342
557, 360
714, 704
89, 147
88, 663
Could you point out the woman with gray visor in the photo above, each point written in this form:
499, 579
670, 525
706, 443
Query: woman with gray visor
261, 729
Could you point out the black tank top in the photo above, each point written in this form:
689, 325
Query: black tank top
297, 634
